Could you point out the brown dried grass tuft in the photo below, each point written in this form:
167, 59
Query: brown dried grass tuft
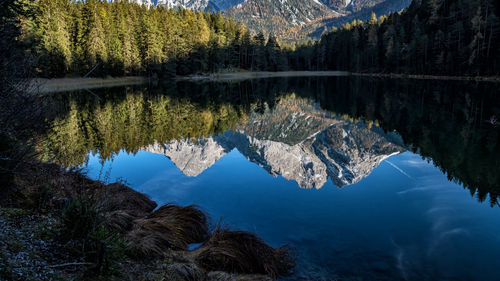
117, 196
182, 225
147, 244
122, 221
245, 253
178, 227
184, 272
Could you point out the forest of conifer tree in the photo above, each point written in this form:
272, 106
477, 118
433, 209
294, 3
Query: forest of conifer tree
121, 38
449, 37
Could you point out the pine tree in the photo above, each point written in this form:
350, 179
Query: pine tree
272, 53
96, 49
54, 35
260, 60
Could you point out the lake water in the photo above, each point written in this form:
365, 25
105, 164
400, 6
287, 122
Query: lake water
367, 179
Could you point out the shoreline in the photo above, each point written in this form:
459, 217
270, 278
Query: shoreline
45, 85
54, 85
429, 77
260, 74
63, 220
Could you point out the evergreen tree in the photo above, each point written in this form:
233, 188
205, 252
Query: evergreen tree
273, 53
449, 37
260, 60
53, 20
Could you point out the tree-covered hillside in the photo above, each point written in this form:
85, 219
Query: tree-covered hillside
455, 37
449, 37
122, 38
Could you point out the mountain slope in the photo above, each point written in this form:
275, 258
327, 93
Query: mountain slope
289, 19
357, 9
201, 5
279, 16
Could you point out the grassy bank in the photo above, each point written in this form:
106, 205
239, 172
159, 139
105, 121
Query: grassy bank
41, 85
261, 74
60, 225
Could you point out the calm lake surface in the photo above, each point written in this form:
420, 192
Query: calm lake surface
367, 179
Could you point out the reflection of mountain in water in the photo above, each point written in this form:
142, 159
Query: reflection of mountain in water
443, 121
296, 141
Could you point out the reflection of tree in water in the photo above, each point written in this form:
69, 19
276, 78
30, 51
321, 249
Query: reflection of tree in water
129, 119
446, 121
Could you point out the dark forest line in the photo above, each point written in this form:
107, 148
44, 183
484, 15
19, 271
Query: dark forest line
449, 37
73, 38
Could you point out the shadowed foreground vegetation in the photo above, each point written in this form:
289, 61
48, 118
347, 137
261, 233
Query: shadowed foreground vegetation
98, 230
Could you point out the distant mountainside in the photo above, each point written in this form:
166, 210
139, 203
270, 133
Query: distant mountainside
357, 9
202, 5
294, 140
298, 19
289, 19
280, 17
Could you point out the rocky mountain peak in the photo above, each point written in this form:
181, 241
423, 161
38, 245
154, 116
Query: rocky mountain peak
287, 19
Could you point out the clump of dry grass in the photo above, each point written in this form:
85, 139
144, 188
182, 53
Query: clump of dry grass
122, 221
184, 272
147, 244
191, 222
180, 226
117, 196
243, 252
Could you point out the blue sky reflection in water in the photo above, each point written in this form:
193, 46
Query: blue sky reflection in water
270, 161
405, 220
